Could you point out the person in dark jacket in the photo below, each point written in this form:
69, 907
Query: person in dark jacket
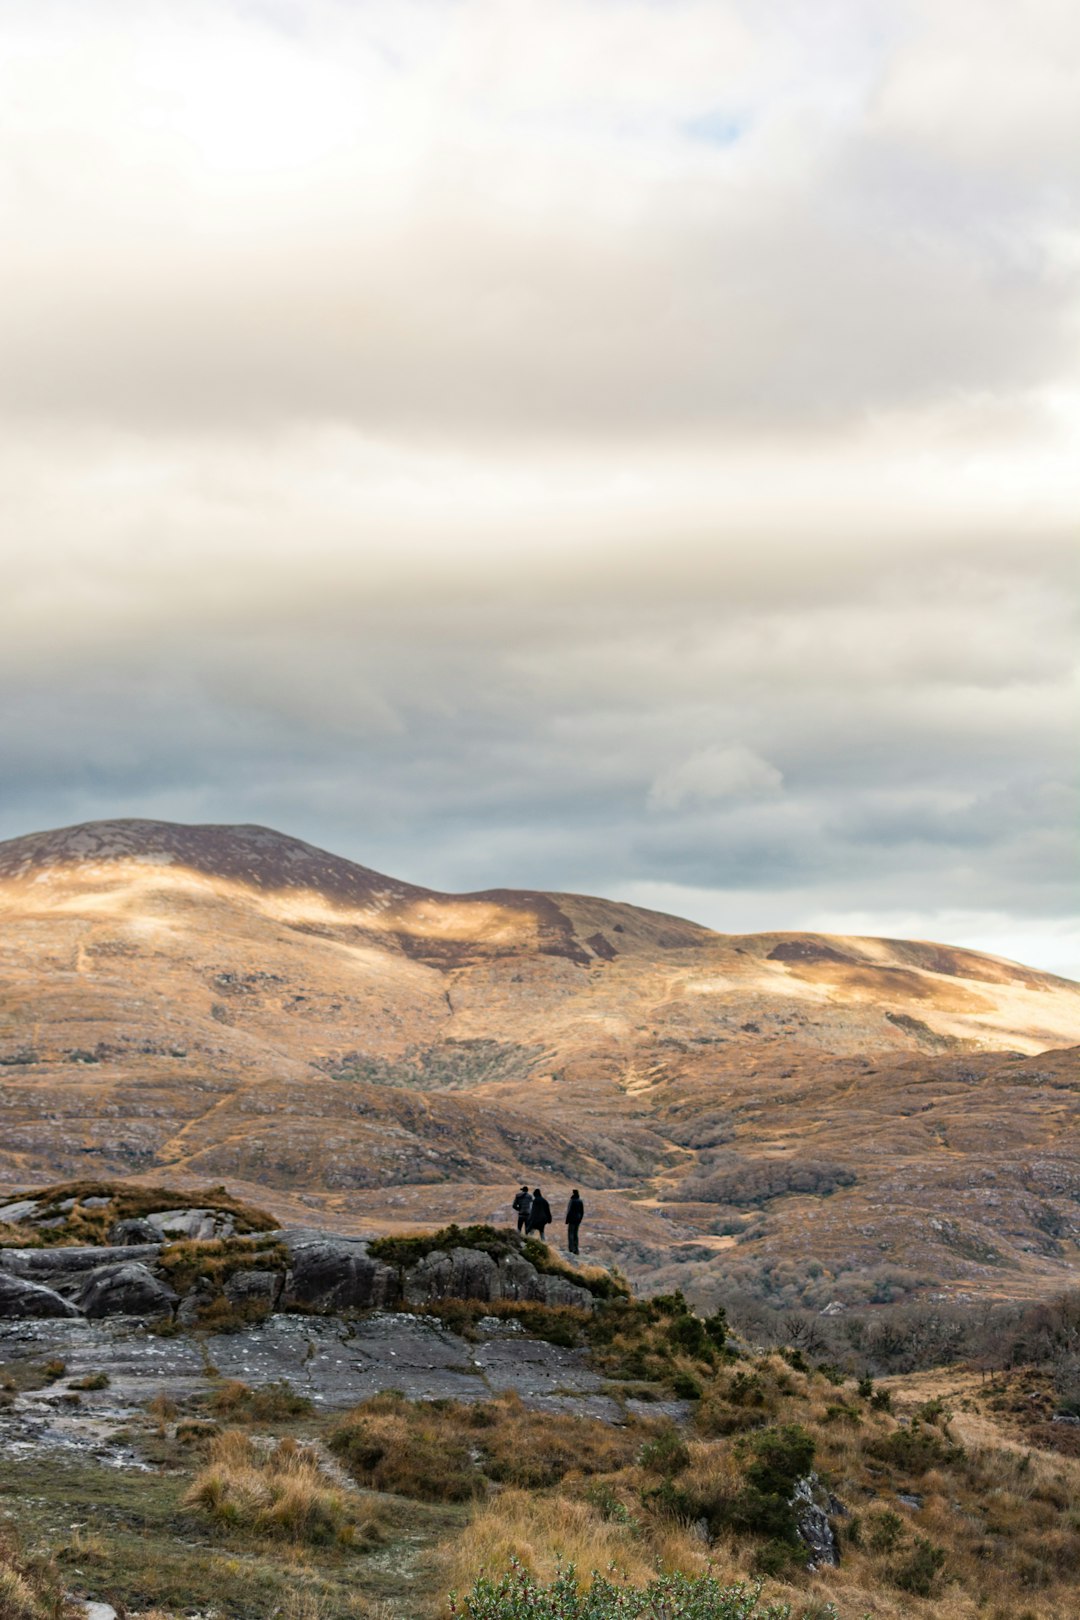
523, 1208
575, 1214
540, 1213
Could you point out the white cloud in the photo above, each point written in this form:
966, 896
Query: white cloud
426, 426
712, 774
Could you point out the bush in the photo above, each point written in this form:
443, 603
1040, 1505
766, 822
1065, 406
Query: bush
516, 1596
913, 1451
270, 1404
98, 1380
667, 1454
920, 1569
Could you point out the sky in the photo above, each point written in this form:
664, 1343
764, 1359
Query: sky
624, 446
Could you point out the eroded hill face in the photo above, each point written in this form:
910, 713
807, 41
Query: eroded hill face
226, 1003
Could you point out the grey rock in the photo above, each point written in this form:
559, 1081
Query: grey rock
66, 1270
19, 1297
23, 1209
98, 1611
123, 1234
909, 1499
96, 1203
471, 1274
176, 1224
812, 1522
453, 1274
261, 1287
333, 1273
126, 1289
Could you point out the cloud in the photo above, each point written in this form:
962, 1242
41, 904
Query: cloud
582, 444
715, 773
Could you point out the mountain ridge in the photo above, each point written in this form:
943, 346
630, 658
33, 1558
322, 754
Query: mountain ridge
373, 1045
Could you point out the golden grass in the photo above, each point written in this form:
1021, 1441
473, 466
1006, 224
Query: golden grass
282, 1493
1006, 1519
541, 1532
30, 1587
448, 1450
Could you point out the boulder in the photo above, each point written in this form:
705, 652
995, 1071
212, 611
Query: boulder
330, 1273
19, 1298
23, 1209
521, 1280
126, 1289
453, 1274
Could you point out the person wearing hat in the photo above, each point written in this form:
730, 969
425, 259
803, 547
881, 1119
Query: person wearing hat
523, 1208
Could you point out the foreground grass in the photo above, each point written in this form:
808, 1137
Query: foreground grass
128, 1537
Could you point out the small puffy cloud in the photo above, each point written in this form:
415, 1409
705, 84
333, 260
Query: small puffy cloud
713, 774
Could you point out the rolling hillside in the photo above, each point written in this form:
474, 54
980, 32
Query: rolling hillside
808, 1116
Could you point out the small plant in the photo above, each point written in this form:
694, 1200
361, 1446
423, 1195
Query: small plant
865, 1387
98, 1380
53, 1370
272, 1403
881, 1400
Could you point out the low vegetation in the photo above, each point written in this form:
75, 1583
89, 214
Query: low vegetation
272, 1403
516, 1596
449, 1451
282, 1493
31, 1585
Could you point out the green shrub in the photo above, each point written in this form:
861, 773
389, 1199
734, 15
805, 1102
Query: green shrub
886, 1531
919, 1571
517, 1596
914, 1450
666, 1454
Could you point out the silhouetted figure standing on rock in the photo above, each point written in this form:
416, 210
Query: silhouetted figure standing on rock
523, 1208
540, 1213
575, 1214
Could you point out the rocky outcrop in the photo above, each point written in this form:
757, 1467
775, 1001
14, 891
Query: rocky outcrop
330, 1273
22, 1298
319, 1272
811, 1505
126, 1289
173, 1226
472, 1274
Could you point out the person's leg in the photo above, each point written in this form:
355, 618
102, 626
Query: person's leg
572, 1238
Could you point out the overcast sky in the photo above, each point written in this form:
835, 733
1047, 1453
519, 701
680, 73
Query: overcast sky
618, 445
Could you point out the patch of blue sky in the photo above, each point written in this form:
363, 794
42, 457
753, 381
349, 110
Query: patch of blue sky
718, 127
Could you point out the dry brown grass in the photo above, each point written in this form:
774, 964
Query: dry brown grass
1006, 1519
447, 1451
31, 1587
282, 1493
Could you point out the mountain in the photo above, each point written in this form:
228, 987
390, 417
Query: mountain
808, 1116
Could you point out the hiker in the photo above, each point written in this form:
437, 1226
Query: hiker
575, 1214
523, 1208
539, 1214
